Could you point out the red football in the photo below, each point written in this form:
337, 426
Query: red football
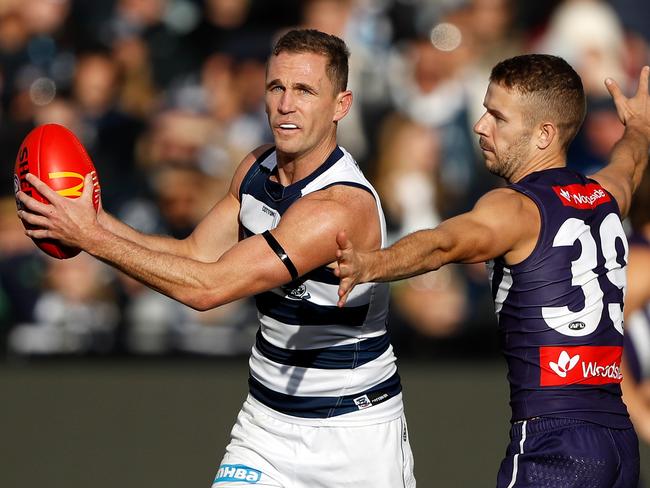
55, 155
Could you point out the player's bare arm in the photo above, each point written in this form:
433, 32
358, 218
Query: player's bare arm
248, 267
629, 157
216, 232
502, 223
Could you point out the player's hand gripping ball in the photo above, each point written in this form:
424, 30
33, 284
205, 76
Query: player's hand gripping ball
54, 154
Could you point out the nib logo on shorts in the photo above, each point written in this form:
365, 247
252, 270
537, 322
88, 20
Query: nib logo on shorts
587, 365
237, 473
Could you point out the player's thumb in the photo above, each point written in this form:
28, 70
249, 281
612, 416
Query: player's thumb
342, 240
87, 192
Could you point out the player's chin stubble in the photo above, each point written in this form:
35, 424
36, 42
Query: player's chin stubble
511, 159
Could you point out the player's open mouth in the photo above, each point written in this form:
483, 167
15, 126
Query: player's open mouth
288, 126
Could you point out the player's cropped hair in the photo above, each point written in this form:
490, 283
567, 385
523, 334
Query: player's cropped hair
314, 41
551, 85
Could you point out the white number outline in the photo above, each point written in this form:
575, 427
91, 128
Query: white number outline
583, 275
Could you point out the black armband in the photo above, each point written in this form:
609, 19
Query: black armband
277, 249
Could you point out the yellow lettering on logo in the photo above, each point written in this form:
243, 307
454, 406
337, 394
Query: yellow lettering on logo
73, 191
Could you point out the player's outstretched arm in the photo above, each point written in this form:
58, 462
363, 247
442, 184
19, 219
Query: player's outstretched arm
629, 158
247, 268
223, 213
487, 231
67, 220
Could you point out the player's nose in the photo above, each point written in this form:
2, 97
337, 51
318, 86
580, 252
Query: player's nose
480, 127
286, 103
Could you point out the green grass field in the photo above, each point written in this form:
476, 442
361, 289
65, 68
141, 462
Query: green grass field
164, 424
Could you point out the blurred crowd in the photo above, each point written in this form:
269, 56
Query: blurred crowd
167, 97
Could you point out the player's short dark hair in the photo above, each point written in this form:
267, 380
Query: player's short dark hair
552, 86
314, 41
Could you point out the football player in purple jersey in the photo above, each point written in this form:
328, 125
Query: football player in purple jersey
557, 253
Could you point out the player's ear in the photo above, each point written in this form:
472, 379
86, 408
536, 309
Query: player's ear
343, 104
546, 134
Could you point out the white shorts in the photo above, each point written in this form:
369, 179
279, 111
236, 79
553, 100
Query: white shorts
267, 451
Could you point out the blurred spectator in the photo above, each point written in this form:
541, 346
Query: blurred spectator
366, 29
158, 325
138, 95
76, 314
36, 55
145, 19
406, 175
590, 37
183, 195
108, 133
231, 28
493, 36
428, 82
168, 95
21, 270
599, 132
407, 180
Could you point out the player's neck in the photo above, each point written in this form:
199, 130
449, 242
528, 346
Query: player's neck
540, 162
295, 167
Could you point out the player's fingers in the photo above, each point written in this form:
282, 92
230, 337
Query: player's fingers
32, 204
643, 80
39, 233
33, 219
88, 191
617, 96
41, 187
343, 296
614, 90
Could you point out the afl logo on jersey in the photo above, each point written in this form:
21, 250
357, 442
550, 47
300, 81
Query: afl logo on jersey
577, 325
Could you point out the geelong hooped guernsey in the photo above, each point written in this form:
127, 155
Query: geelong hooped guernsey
560, 311
313, 360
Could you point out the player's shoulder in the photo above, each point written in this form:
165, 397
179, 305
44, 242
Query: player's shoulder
245, 165
334, 208
253, 156
505, 201
342, 194
505, 208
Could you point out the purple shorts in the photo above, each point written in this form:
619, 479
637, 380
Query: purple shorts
567, 453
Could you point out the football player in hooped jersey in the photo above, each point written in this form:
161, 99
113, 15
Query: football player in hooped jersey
557, 252
323, 380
